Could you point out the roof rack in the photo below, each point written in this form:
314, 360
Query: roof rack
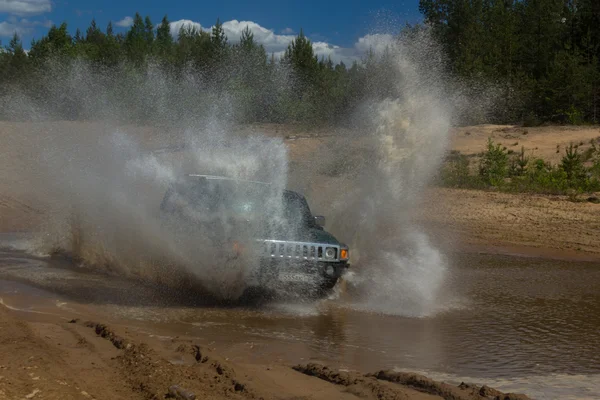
216, 177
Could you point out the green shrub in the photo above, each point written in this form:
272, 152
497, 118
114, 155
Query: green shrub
518, 164
572, 165
549, 180
493, 168
574, 116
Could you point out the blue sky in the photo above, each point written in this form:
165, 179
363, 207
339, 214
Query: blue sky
330, 24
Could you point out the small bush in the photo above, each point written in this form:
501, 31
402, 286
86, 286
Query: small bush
518, 164
572, 164
574, 116
493, 168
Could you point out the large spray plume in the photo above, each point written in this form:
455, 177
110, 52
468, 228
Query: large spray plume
396, 269
103, 186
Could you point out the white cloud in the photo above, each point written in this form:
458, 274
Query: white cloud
277, 43
20, 26
25, 7
377, 43
273, 42
125, 22
177, 25
7, 29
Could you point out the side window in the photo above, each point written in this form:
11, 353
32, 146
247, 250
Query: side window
297, 211
192, 197
166, 205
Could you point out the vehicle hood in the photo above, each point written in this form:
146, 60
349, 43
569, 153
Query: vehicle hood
308, 235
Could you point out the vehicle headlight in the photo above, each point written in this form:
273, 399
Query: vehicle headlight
330, 253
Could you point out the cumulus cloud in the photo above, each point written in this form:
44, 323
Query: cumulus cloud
25, 7
277, 43
273, 42
7, 29
177, 25
377, 43
20, 26
125, 22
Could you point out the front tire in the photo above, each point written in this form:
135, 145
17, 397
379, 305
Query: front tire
326, 287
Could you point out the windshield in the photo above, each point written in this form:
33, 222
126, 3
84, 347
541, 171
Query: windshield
249, 201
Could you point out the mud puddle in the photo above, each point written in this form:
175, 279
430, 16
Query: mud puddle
524, 325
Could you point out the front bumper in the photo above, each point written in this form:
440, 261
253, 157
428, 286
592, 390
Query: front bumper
276, 271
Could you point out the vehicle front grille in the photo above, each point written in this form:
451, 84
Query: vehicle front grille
298, 250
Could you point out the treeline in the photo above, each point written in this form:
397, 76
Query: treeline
68, 75
543, 55
535, 61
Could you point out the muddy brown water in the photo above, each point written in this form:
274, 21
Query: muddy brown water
520, 324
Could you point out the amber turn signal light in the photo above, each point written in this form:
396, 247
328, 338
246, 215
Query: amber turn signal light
237, 247
344, 254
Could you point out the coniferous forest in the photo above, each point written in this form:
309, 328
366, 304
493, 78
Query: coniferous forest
537, 60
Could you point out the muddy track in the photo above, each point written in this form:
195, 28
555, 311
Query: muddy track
376, 385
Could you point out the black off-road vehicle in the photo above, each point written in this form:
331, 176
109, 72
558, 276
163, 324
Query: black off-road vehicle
291, 244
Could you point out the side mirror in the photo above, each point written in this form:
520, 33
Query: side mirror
320, 220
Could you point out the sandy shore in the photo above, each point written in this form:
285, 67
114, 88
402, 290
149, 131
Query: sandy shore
526, 224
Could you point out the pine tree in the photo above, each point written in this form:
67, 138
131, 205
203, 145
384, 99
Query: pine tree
164, 41
57, 43
15, 49
300, 56
136, 41
149, 30
247, 39
111, 51
218, 37
193, 48
218, 41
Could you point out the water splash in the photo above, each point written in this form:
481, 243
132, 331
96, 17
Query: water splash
397, 270
113, 185
104, 198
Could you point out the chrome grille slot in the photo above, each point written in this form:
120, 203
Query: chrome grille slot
281, 250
